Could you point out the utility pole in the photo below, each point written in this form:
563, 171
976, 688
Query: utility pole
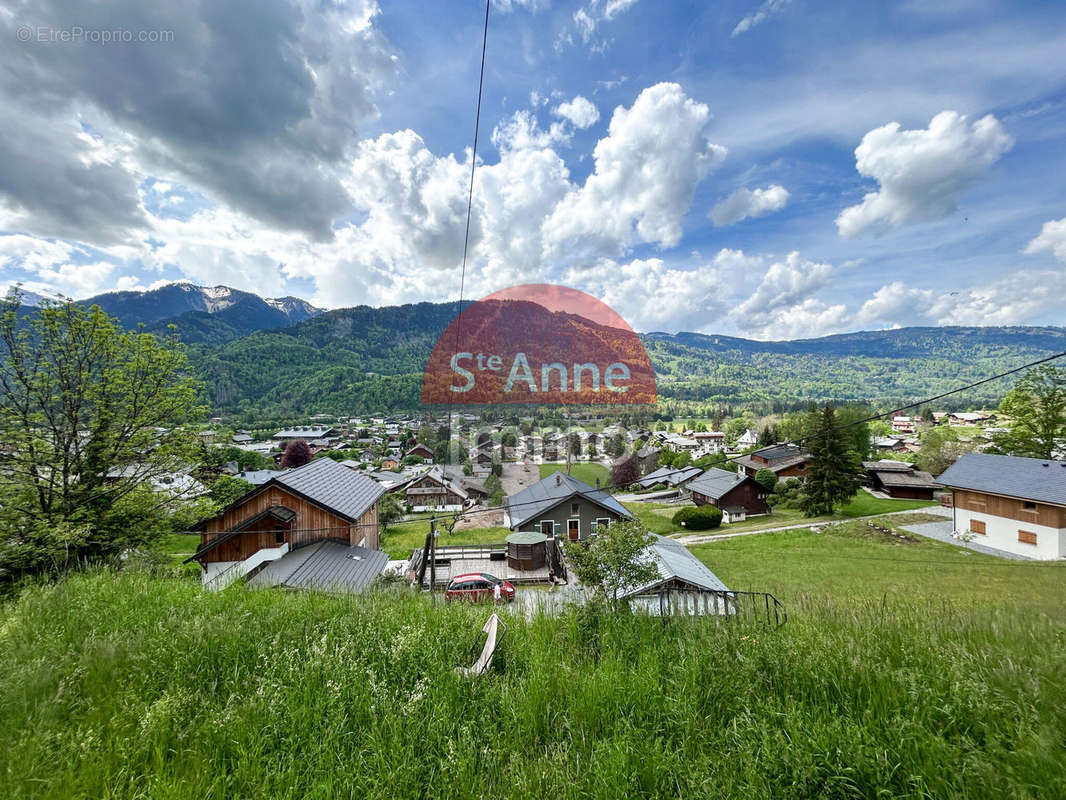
432, 554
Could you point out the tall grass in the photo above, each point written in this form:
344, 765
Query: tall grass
125, 685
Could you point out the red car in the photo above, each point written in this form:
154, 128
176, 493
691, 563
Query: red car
478, 587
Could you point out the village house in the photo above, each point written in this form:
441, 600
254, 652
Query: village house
748, 439
1010, 503
681, 576
648, 459
443, 489
305, 432
671, 477
318, 502
899, 479
903, 424
709, 442
736, 494
959, 418
561, 505
784, 460
421, 451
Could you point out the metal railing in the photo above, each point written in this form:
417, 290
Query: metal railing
757, 608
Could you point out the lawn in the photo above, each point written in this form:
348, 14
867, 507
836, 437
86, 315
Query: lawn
583, 471
849, 563
124, 685
657, 516
178, 546
403, 537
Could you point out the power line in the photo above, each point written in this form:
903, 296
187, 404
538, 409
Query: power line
871, 418
469, 205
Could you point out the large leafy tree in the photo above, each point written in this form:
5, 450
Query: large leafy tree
1036, 415
614, 560
89, 417
834, 471
625, 471
297, 453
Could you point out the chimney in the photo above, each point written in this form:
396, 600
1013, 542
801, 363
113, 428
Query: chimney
558, 479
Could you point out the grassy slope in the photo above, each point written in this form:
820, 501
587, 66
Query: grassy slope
128, 685
405, 536
583, 471
852, 563
657, 516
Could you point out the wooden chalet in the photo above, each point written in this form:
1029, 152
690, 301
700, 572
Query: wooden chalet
320, 501
736, 494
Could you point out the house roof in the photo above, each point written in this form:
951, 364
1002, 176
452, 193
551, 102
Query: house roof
887, 465
773, 466
778, 452
326, 566
258, 476
670, 476
676, 562
1037, 479
303, 432
716, 483
552, 490
915, 479
332, 485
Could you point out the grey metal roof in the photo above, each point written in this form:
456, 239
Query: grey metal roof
670, 476
676, 562
886, 465
552, 490
776, 465
324, 566
334, 486
259, 476
1037, 479
776, 452
915, 479
716, 483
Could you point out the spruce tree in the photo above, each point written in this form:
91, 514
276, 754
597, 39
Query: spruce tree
834, 472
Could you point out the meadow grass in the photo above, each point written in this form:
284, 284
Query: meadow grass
403, 537
128, 685
582, 470
657, 516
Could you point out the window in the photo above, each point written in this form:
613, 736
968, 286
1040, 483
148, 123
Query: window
600, 522
279, 537
575, 508
1026, 537
977, 526
547, 527
1028, 505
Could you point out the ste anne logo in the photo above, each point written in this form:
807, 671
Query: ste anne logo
538, 344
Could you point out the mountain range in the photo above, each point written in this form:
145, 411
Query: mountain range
203, 314
284, 357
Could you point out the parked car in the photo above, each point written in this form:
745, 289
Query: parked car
478, 587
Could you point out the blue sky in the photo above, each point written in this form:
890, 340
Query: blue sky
774, 170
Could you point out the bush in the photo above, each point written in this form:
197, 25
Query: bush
698, 518
767, 478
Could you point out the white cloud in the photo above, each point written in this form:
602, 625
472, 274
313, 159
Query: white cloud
1052, 239
764, 12
651, 295
580, 112
785, 284
520, 131
646, 171
747, 204
588, 18
922, 172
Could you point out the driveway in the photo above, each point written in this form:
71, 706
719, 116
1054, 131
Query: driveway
941, 531
515, 478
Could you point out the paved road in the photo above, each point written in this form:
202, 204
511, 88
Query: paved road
695, 538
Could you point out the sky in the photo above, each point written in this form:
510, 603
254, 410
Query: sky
775, 170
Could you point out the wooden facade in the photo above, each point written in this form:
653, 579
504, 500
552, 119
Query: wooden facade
428, 491
748, 495
311, 523
1011, 508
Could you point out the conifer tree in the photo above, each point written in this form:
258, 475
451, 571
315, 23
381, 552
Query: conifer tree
834, 472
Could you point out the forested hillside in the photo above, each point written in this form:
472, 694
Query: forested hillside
364, 359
